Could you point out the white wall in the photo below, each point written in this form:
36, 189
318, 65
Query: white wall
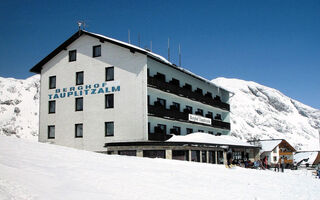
129, 113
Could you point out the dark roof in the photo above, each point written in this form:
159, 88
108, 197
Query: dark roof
37, 68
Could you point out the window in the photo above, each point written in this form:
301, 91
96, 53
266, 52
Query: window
160, 77
109, 73
188, 109
199, 112
275, 150
187, 86
175, 82
52, 82
51, 134
52, 107
79, 78
209, 115
148, 99
200, 131
79, 130
175, 130
204, 156
161, 128
109, 129
199, 91
96, 51
210, 132
189, 130
195, 155
72, 55
79, 104
109, 101
161, 103
175, 106
274, 158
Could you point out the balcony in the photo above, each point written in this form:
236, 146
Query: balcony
158, 136
159, 111
282, 153
197, 95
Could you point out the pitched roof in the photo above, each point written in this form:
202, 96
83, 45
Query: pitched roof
37, 68
269, 145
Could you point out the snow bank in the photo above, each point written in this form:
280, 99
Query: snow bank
31, 170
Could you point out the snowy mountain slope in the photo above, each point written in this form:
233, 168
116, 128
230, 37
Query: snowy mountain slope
261, 112
19, 106
257, 111
32, 170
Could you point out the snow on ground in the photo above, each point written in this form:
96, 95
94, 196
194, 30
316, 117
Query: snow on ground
31, 170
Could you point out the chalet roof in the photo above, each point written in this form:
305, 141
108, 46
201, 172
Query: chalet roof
37, 68
210, 139
268, 145
308, 157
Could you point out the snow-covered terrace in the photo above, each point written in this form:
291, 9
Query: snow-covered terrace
206, 138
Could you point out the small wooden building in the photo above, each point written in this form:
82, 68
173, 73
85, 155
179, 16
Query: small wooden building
275, 150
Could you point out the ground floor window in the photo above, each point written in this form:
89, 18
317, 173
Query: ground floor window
180, 155
154, 153
128, 153
51, 132
195, 156
204, 156
109, 129
220, 157
212, 157
79, 130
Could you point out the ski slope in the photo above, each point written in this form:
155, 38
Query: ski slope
32, 170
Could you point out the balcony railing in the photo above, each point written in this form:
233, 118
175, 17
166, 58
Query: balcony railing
183, 91
162, 112
158, 136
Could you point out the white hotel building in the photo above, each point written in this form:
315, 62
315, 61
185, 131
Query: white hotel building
104, 95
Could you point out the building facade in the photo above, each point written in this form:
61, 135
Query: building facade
97, 90
277, 151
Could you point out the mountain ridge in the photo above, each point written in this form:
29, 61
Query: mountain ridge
257, 112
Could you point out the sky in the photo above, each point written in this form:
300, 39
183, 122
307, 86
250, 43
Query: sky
274, 43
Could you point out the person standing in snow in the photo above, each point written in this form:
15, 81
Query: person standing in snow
266, 162
282, 164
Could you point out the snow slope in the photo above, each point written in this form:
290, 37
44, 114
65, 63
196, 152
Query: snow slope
19, 107
261, 112
32, 170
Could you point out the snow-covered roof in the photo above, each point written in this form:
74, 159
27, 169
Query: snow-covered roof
269, 145
310, 155
209, 139
160, 58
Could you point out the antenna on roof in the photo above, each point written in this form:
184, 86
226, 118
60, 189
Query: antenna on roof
168, 49
129, 36
139, 40
179, 56
151, 45
81, 25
